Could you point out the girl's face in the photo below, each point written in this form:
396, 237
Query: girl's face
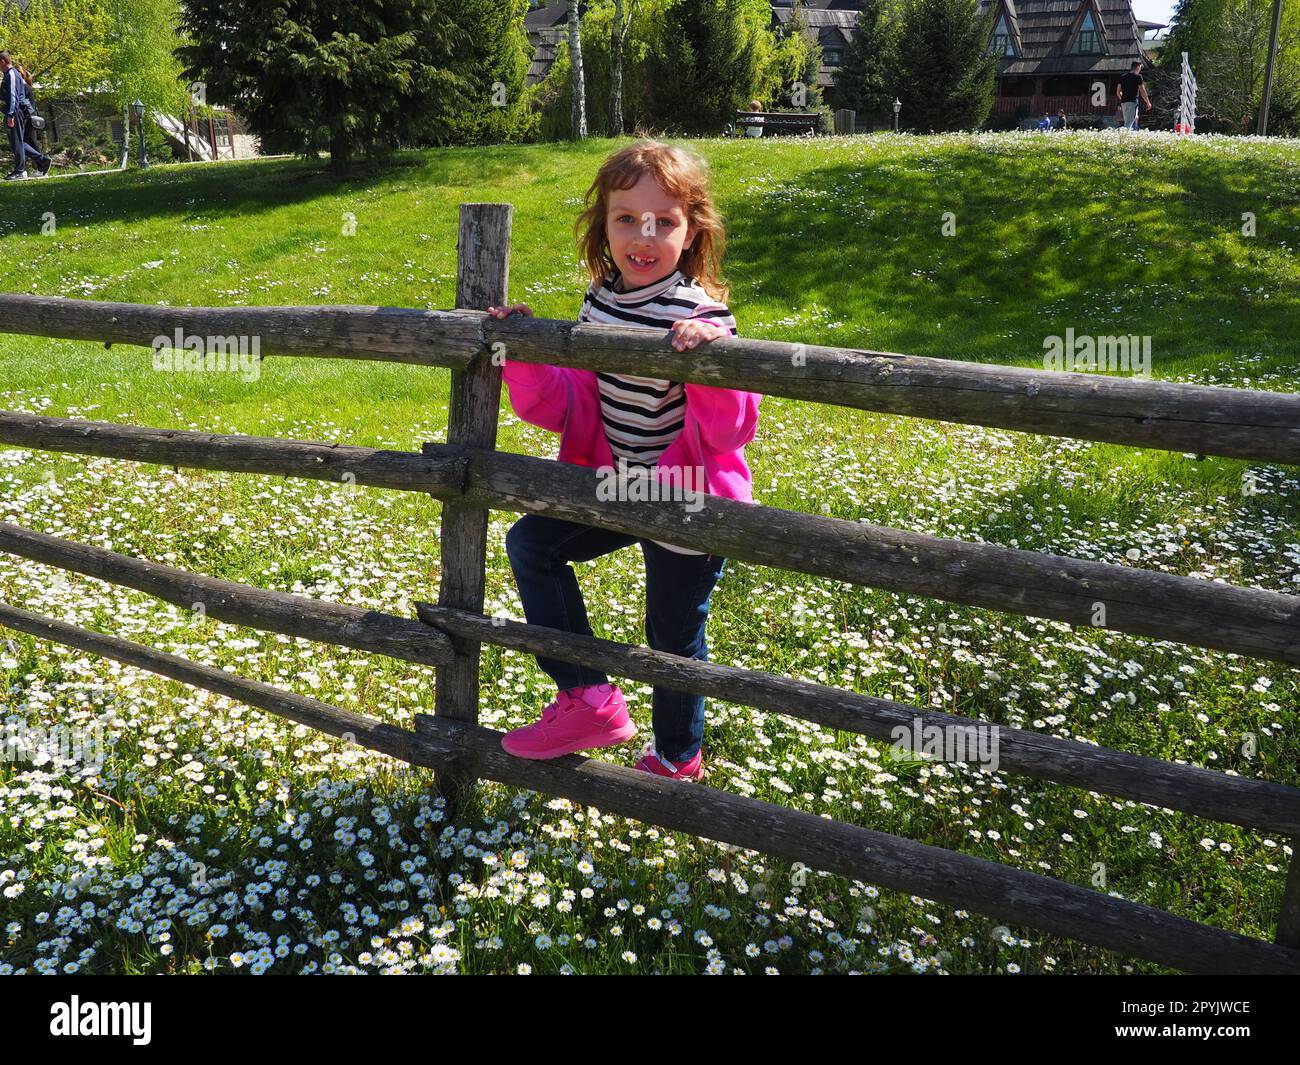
647, 230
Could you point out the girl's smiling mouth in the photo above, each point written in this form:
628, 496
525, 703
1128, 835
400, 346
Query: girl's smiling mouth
640, 262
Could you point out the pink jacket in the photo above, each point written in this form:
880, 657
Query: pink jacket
719, 423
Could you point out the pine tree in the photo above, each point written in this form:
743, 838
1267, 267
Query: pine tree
362, 76
862, 84
706, 62
944, 74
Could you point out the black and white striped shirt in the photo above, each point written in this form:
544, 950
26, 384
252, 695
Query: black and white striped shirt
644, 415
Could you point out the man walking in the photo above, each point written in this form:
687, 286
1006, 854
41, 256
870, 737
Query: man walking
1132, 87
12, 91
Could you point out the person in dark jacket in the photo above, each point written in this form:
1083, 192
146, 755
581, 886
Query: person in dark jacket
12, 91
31, 141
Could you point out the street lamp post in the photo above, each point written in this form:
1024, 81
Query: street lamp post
137, 109
898, 106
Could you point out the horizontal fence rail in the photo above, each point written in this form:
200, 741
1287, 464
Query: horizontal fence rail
239, 604
1203, 792
1249, 621
1169, 785
383, 334
859, 853
1203, 419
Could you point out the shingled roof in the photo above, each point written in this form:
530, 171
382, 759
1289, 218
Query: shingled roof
831, 25
1043, 30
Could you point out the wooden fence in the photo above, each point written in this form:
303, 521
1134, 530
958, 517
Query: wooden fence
469, 476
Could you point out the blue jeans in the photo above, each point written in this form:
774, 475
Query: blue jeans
677, 591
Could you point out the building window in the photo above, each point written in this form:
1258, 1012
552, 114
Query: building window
1087, 41
221, 127
1000, 43
833, 57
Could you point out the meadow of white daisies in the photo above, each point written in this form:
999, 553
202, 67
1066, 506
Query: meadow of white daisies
216, 838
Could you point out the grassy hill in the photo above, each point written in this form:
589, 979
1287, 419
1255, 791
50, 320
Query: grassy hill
316, 847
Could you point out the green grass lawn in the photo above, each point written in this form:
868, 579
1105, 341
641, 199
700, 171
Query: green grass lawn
217, 837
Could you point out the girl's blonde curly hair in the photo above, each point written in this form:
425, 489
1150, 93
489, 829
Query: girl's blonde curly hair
683, 176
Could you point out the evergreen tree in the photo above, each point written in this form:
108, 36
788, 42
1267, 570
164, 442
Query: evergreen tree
707, 62
498, 106
1195, 30
944, 74
863, 82
361, 76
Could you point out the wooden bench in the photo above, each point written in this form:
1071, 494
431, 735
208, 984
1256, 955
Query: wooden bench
774, 123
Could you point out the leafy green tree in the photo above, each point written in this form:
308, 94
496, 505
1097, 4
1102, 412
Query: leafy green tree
1228, 44
142, 64
64, 46
1194, 29
601, 51
788, 74
620, 27
943, 71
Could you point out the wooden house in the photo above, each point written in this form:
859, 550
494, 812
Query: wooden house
831, 23
1062, 55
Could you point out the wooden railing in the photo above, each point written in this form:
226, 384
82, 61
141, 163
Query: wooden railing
1077, 104
469, 476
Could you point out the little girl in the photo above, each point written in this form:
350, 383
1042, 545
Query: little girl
652, 241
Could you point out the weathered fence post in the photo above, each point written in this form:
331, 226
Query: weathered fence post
482, 272
1288, 920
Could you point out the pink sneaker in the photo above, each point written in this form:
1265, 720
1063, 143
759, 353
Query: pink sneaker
578, 719
651, 762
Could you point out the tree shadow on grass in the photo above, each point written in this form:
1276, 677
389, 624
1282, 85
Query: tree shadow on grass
255, 186
1149, 246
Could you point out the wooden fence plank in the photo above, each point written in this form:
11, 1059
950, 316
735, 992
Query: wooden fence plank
1012, 895
1167, 606
238, 604
1202, 419
442, 474
305, 711
482, 275
1233, 799
1248, 621
387, 334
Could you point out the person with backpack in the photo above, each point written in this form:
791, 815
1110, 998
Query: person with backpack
13, 92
